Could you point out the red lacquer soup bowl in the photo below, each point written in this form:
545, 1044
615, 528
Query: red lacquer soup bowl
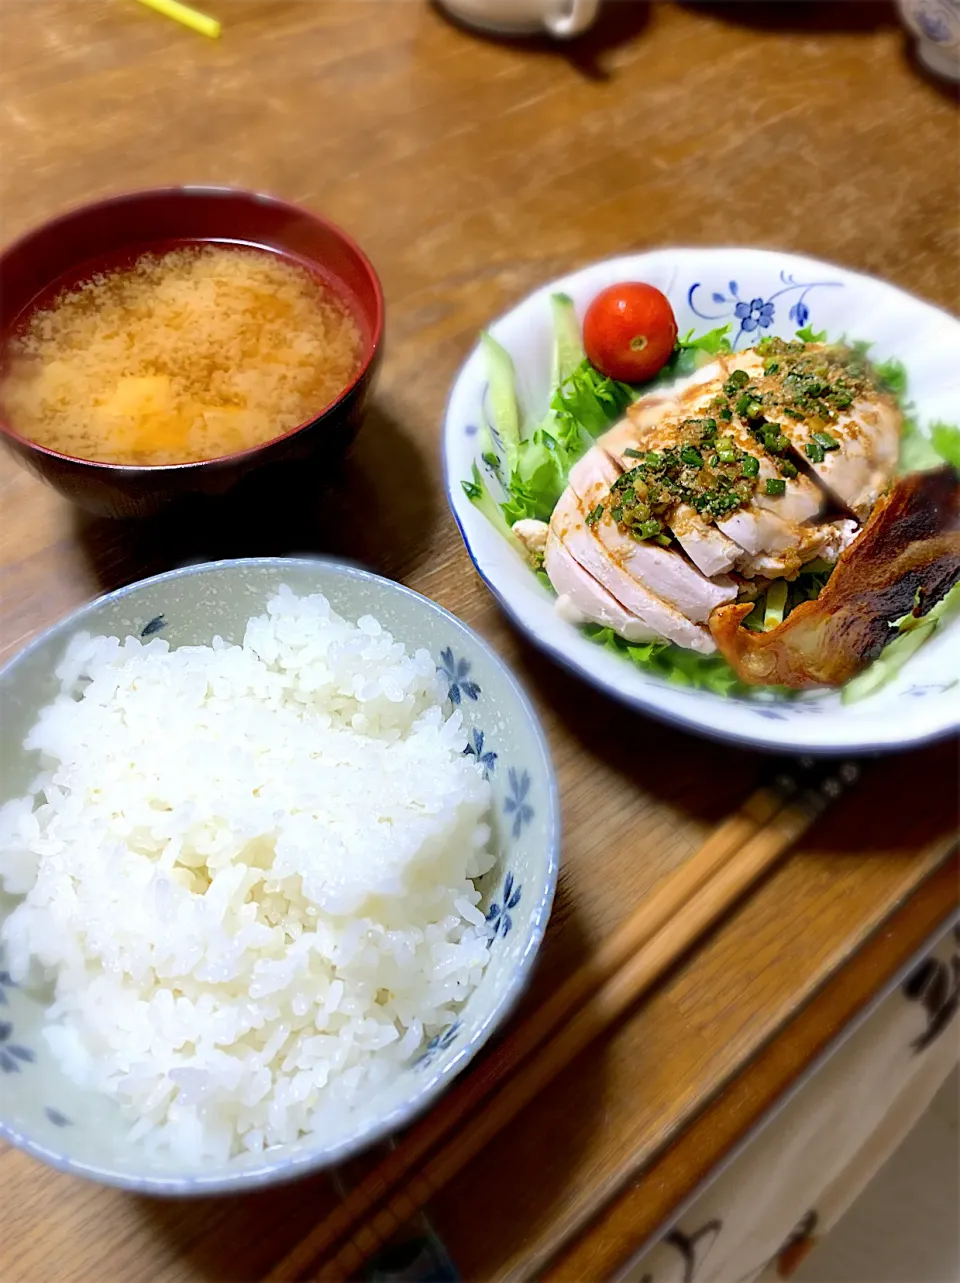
73, 247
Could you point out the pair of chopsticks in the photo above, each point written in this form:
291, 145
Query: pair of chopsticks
686, 904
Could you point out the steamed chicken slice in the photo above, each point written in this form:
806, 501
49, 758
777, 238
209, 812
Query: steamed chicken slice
707, 547
581, 600
569, 526
802, 499
783, 439
769, 523
664, 571
869, 446
754, 539
867, 432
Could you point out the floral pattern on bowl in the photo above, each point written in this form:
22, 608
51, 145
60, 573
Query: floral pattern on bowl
49, 1116
756, 292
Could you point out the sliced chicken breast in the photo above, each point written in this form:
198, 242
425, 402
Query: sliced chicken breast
844, 435
867, 435
859, 471
664, 571
706, 546
582, 600
748, 533
802, 499
767, 524
580, 541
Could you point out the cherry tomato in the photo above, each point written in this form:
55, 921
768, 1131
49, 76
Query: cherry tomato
629, 331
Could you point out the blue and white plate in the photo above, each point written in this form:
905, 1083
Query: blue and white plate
758, 292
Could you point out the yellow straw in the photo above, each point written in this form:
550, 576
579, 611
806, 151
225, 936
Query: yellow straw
189, 17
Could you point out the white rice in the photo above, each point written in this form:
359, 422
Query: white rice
250, 870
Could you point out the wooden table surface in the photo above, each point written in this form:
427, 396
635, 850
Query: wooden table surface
473, 171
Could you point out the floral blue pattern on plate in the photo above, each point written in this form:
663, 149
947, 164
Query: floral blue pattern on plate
754, 315
756, 292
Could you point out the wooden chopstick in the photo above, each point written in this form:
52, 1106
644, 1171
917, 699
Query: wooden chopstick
639, 952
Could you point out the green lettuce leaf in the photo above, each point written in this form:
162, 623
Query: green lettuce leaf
586, 401
539, 478
945, 439
893, 376
682, 667
917, 451
692, 352
809, 335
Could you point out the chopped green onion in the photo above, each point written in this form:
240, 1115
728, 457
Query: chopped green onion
617, 513
787, 468
653, 459
663, 540
626, 480
775, 486
814, 451
714, 460
647, 529
738, 379
771, 367
692, 456
826, 440
633, 454
726, 414
751, 466
592, 518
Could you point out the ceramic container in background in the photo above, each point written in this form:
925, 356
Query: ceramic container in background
560, 18
78, 1131
936, 24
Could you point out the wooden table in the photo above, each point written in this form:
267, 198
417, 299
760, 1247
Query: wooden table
473, 171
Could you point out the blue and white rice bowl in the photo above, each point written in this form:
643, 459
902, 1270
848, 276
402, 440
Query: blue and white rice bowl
45, 1112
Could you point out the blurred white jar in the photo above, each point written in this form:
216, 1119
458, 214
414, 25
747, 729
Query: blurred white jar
561, 18
936, 24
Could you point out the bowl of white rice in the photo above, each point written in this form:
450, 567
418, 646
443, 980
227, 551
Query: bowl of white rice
278, 845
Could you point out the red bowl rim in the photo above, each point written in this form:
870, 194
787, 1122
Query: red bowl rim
265, 198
